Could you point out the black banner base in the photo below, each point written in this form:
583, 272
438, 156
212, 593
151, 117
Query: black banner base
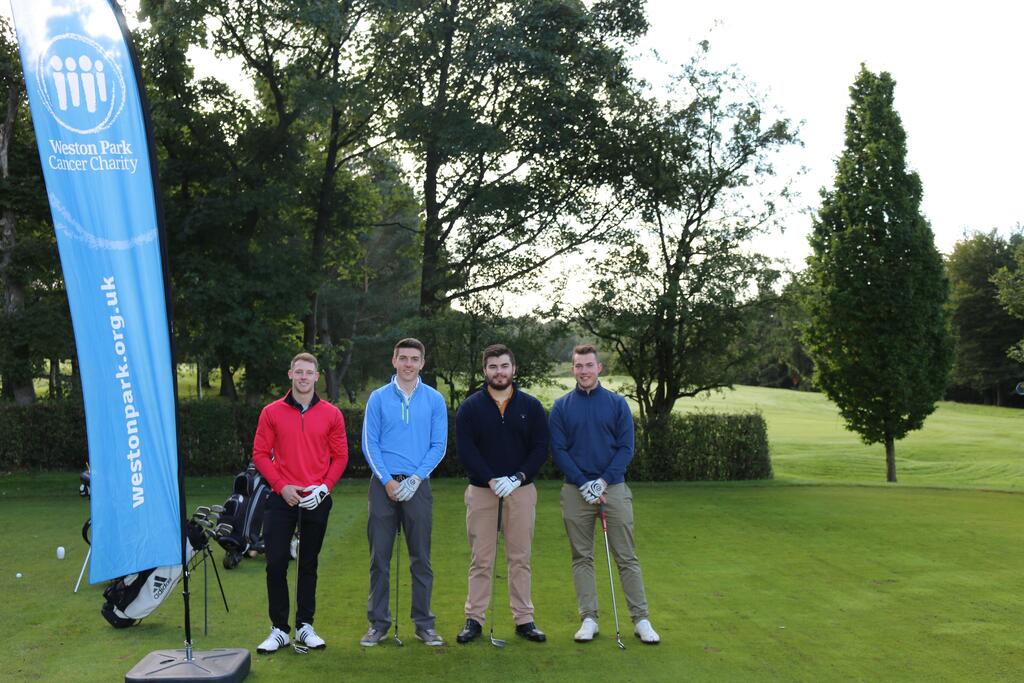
170, 666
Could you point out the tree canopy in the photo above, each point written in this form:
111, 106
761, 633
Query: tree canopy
673, 299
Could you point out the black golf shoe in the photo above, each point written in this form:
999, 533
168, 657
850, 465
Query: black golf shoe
531, 632
470, 631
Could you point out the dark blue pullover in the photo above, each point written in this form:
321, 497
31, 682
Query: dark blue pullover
592, 436
491, 445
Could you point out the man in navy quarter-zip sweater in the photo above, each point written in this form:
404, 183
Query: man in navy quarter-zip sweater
502, 438
405, 433
592, 443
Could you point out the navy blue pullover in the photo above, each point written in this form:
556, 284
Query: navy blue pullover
491, 445
592, 436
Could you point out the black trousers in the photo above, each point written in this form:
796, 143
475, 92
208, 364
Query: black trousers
279, 522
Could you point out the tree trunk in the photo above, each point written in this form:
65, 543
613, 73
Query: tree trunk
227, 382
890, 459
18, 377
55, 388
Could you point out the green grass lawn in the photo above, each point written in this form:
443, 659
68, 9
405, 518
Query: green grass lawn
826, 573
961, 445
746, 582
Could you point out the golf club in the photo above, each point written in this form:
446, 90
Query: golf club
611, 580
496, 642
299, 648
398, 569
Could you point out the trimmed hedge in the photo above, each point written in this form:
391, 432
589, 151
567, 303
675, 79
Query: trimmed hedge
217, 435
703, 447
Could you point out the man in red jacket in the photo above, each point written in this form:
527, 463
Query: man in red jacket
301, 451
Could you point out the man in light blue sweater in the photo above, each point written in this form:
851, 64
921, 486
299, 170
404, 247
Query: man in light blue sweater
405, 432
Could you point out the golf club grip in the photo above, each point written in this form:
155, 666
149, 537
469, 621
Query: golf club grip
501, 502
604, 520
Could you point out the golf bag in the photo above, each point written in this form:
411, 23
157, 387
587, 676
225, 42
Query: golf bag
243, 511
132, 598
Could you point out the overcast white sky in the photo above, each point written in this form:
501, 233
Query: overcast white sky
957, 68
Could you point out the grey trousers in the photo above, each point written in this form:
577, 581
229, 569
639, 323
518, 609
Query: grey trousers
415, 516
582, 525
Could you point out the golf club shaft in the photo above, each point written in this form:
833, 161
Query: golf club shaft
398, 569
611, 580
494, 573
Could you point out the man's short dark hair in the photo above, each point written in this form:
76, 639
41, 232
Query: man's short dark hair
308, 357
497, 351
410, 343
583, 350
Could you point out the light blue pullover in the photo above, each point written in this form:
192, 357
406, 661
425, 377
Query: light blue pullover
404, 435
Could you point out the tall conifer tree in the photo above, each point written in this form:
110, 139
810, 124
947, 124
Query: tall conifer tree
879, 331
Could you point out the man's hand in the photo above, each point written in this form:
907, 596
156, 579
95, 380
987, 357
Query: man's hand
392, 489
407, 489
593, 491
504, 486
315, 495
291, 494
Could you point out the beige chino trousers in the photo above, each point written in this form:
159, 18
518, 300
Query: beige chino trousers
583, 525
519, 513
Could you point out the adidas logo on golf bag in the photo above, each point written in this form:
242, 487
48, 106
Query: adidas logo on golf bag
160, 584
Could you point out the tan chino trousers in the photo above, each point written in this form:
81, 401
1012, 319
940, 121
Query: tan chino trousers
583, 525
517, 521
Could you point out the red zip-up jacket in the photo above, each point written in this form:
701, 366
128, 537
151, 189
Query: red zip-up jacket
300, 448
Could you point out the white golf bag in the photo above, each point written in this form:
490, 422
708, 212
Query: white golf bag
132, 598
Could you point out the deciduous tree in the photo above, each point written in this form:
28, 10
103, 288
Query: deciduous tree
984, 331
672, 302
879, 332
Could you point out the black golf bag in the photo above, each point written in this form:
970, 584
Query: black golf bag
243, 510
132, 598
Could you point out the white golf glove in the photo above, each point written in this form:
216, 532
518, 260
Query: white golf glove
314, 497
593, 490
407, 489
503, 486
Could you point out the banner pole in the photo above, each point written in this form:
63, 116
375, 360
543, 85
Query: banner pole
169, 303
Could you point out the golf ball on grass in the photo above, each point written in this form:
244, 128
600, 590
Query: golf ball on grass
18, 575
60, 552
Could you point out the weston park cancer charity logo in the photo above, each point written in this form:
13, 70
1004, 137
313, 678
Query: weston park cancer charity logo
80, 84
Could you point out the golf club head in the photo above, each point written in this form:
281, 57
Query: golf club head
205, 510
395, 638
497, 642
618, 641
219, 509
223, 529
300, 649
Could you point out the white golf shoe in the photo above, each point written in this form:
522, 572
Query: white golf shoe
588, 629
305, 635
275, 641
646, 633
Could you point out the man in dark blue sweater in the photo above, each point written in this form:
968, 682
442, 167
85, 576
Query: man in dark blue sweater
502, 438
592, 444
